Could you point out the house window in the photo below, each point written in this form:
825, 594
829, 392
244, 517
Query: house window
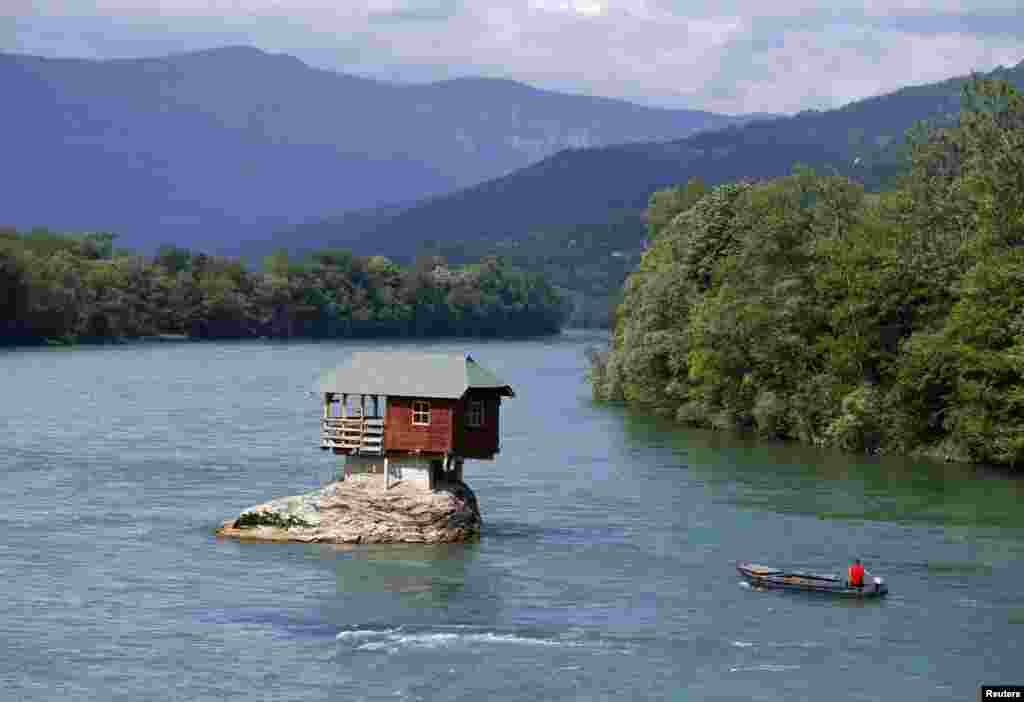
475, 413
421, 412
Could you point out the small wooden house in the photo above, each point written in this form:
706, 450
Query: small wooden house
414, 417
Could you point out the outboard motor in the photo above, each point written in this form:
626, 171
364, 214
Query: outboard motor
880, 586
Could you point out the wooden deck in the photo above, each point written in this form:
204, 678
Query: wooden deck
363, 436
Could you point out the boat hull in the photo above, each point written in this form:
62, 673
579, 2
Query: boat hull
767, 577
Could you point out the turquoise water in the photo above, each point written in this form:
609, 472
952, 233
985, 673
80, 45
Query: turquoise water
605, 571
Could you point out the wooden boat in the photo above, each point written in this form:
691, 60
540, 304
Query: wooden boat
765, 576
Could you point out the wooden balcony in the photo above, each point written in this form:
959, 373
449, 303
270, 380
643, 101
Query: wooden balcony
363, 436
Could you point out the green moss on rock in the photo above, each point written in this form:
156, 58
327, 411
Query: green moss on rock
249, 520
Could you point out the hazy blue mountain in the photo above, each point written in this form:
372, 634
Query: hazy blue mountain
593, 186
577, 215
208, 147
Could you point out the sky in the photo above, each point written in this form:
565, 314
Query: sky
730, 56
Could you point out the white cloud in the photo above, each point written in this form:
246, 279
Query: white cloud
732, 55
833, 66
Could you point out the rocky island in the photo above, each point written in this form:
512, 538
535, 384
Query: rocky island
362, 510
405, 422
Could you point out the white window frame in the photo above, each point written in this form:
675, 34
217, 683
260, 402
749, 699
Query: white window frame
475, 414
421, 409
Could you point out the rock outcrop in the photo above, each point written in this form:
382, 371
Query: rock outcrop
359, 510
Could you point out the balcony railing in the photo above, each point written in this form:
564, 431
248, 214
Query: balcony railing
355, 435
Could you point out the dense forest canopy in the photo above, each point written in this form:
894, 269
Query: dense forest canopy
804, 307
66, 288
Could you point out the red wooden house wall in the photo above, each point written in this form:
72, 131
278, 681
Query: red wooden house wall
400, 434
447, 431
482, 441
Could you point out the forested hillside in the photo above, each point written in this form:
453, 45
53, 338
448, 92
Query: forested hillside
803, 307
577, 216
64, 289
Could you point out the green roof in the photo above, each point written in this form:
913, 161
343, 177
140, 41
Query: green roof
406, 374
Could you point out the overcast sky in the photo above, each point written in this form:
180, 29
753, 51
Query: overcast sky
727, 55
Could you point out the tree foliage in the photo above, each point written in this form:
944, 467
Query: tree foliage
55, 287
803, 307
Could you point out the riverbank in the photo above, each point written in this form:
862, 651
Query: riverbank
804, 307
71, 288
359, 510
65, 343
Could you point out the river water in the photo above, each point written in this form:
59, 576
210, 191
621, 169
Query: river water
605, 570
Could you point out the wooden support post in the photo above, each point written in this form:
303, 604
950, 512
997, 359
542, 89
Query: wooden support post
362, 405
344, 405
387, 474
376, 407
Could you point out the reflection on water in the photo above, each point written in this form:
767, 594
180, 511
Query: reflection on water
422, 575
792, 478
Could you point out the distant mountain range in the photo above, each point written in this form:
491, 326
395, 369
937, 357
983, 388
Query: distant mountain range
594, 186
577, 215
206, 148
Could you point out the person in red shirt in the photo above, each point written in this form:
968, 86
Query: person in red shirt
856, 574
